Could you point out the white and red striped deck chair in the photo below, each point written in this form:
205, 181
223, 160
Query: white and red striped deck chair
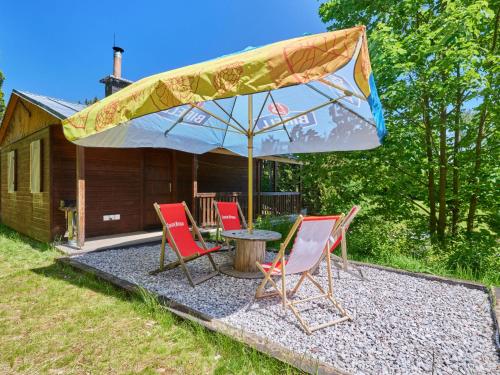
313, 242
229, 217
341, 239
174, 218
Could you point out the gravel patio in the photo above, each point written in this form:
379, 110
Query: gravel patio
402, 324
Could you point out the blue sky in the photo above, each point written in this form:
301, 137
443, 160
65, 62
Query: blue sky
63, 48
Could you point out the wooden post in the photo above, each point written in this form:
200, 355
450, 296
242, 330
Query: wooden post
299, 208
257, 187
80, 194
173, 167
275, 176
250, 136
194, 186
142, 189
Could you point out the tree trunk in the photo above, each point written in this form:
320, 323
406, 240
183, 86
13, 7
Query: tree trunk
443, 170
455, 211
475, 179
431, 194
477, 168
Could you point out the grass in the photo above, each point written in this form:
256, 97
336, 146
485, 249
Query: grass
55, 320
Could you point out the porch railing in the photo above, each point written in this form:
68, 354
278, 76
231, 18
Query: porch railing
265, 203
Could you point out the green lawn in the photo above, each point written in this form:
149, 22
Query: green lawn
56, 320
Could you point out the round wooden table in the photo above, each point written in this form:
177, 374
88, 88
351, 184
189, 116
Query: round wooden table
250, 248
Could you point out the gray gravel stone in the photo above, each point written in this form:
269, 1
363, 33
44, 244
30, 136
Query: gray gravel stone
402, 325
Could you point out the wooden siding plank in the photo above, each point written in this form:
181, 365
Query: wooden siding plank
27, 212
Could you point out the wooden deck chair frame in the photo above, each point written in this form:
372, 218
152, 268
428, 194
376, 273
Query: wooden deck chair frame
341, 261
220, 225
182, 260
285, 294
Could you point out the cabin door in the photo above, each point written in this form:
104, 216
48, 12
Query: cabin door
158, 183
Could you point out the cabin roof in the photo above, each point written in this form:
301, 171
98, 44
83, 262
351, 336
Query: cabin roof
56, 107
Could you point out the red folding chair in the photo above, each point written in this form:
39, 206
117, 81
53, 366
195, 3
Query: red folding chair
229, 217
174, 218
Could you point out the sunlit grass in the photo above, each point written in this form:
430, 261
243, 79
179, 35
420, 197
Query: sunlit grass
54, 319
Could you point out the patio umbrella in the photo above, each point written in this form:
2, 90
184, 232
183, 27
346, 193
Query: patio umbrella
314, 93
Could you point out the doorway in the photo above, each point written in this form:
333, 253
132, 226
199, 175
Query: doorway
158, 183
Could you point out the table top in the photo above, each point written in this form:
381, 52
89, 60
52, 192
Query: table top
256, 235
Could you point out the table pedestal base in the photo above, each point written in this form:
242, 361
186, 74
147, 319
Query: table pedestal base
247, 253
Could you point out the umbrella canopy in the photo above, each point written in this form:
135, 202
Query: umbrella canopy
314, 93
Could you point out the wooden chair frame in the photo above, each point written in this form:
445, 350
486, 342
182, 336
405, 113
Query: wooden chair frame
221, 226
341, 262
182, 260
286, 294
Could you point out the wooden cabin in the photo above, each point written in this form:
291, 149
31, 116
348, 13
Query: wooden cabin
114, 188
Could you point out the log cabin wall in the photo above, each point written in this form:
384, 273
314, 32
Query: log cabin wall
184, 178
26, 212
222, 173
113, 186
122, 182
118, 181
63, 172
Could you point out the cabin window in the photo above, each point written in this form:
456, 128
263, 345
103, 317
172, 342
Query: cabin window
11, 170
36, 166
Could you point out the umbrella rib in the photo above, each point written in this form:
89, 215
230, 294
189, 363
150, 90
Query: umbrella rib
281, 118
300, 114
229, 114
178, 121
260, 112
338, 87
339, 103
219, 118
213, 127
232, 109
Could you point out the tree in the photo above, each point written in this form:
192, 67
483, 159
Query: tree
436, 65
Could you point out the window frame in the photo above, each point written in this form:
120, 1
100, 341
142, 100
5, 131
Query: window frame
36, 167
12, 171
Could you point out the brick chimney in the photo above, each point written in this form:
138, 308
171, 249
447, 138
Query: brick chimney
115, 82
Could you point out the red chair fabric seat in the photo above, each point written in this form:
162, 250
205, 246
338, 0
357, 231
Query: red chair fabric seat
229, 215
176, 220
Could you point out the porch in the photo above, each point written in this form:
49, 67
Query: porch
265, 203
116, 189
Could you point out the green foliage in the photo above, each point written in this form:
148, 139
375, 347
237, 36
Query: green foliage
287, 176
88, 102
277, 224
436, 64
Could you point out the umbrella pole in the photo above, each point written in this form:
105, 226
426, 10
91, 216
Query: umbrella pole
250, 164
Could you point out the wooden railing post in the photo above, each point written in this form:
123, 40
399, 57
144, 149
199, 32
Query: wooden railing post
194, 186
80, 195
